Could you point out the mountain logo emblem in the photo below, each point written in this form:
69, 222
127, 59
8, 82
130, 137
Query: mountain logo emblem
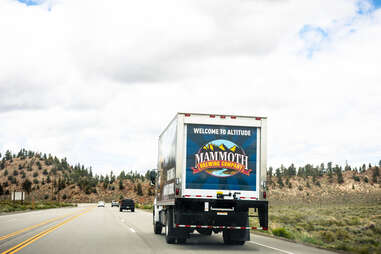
221, 158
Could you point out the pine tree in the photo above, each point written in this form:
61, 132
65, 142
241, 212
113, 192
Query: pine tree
139, 190
27, 186
121, 187
280, 182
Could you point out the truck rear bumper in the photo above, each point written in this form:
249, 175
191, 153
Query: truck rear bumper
218, 214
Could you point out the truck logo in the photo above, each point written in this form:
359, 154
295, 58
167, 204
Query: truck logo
221, 158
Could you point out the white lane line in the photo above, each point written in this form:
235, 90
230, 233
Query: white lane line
284, 251
132, 230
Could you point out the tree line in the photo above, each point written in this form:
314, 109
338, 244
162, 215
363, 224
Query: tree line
61, 174
317, 171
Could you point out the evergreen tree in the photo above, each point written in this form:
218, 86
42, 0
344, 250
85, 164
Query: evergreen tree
6, 172
340, 178
121, 187
280, 182
139, 190
27, 186
270, 173
8, 155
291, 170
1, 190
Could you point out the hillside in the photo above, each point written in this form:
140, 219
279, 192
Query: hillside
354, 186
54, 179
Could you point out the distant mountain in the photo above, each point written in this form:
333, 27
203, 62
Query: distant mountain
221, 148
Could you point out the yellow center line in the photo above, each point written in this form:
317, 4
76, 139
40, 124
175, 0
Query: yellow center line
34, 238
34, 226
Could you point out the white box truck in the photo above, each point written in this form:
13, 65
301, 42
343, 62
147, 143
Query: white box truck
211, 170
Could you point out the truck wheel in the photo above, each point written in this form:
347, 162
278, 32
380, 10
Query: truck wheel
169, 228
181, 240
120, 210
157, 227
226, 237
133, 210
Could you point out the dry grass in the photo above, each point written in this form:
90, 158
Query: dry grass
355, 228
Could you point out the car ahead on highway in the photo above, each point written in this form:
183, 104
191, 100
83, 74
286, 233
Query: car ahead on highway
114, 203
101, 204
126, 204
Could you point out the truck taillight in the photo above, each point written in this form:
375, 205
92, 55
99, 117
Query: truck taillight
212, 116
258, 118
177, 191
264, 195
223, 117
233, 117
187, 115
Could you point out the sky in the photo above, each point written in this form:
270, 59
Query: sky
98, 81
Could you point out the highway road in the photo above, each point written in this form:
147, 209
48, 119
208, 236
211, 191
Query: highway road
89, 229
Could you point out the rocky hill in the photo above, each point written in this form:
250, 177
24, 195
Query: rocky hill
351, 186
51, 178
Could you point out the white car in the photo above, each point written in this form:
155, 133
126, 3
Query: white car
101, 204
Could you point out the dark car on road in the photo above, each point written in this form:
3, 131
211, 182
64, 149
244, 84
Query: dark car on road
127, 204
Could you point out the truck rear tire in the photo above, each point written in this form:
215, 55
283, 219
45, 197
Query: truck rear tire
226, 237
169, 234
181, 240
157, 228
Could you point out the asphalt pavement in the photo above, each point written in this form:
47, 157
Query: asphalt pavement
91, 229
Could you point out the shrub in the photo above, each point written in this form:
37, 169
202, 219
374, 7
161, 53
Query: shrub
366, 179
46, 196
35, 181
327, 236
282, 232
300, 188
64, 196
356, 178
15, 173
35, 174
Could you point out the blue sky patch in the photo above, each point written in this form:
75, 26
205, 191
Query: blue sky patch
377, 3
313, 37
368, 6
31, 2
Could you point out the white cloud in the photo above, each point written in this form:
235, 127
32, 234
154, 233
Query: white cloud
98, 82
